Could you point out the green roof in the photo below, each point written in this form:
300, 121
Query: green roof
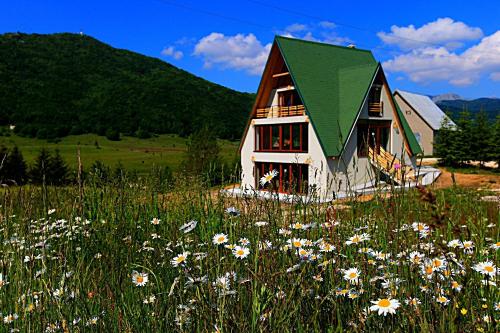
333, 82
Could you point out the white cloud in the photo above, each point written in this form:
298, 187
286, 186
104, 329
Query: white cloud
327, 25
430, 64
171, 51
319, 32
296, 27
240, 52
444, 32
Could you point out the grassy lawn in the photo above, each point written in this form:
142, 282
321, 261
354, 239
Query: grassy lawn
133, 153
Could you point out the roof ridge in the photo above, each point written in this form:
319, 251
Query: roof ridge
321, 43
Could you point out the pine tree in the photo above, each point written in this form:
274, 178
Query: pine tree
481, 138
202, 157
445, 146
38, 171
495, 150
57, 173
464, 137
15, 166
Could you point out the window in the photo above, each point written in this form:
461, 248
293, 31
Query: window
408, 112
290, 178
375, 135
282, 137
289, 98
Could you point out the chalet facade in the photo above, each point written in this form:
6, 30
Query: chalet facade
424, 117
324, 122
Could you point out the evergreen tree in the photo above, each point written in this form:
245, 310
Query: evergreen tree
481, 138
202, 157
38, 171
464, 137
57, 173
495, 150
445, 146
15, 166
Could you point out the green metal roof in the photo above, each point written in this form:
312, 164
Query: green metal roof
332, 82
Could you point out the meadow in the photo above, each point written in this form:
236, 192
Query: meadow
129, 259
133, 153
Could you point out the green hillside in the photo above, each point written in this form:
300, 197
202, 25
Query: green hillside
67, 84
489, 105
135, 154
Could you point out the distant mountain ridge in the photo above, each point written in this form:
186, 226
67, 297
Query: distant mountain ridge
489, 105
446, 97
60, 84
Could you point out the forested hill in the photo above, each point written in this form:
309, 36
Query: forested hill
60, 84
454, 107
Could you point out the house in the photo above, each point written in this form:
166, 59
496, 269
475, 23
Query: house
424, 117
324, 122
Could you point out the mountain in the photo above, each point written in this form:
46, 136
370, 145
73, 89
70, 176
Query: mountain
445, 97
59, 84
490, 105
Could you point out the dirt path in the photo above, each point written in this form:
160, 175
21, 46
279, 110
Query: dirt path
468, 180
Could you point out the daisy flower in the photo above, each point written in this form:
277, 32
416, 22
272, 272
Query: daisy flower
442, 300
244, 241
10, 318
351, 275
468, 246
188, 227
233, 211
486, 268
219, 239
139, 279
155, 221
456, 286
495, 246
416, 257
326, 247
180, 259
261, 224
385, 306
496, 306
241, 252
268, 177
3, 281
420, 227
356, 239
438, 263
455, 243
413, 301
296, 242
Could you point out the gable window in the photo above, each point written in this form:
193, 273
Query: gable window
374, 136
291, 177
375, 105
281, 138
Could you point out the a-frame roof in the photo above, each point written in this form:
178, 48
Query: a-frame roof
332, 82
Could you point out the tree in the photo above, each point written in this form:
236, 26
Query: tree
38, 171
481, 138
445, 146
15, 166
464, 137
112, 134
57, 173
202, 157
495, 151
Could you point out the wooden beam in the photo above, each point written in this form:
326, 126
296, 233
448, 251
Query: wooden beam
281, 74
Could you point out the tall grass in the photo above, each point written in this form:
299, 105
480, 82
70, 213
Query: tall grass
71, 269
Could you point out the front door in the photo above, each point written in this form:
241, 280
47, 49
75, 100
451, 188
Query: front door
375, 135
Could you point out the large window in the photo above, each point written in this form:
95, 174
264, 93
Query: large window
375, 135
290, 177
281, 138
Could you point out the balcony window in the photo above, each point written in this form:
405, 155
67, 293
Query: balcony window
281, 138
291, 177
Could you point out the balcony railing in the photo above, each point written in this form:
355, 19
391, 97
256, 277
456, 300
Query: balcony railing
281, 111
375, 108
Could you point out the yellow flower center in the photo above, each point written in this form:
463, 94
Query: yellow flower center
140, 279
181, 259
489, 269
420, 227
221, 239
240, 252
428, 270
441, 299
353, 275
497, 244
437, 263
384, 303
297, 243
355, 239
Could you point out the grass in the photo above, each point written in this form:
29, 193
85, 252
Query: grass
134, 154
69, 264
474, 170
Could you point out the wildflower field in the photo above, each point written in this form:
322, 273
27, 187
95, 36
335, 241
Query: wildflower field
128, 259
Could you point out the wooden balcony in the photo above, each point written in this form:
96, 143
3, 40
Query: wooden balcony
281, 111
375, 108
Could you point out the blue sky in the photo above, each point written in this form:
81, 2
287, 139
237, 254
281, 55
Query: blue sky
429, 47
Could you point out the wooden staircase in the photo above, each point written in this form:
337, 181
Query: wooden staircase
390, 165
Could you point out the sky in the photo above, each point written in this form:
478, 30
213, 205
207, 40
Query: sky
428, 47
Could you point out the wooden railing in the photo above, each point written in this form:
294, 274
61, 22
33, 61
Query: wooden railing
375, 108
390, 164
281, 111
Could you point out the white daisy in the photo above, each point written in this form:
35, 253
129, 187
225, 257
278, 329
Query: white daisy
420, 227
219, 239
486, 268
351, 275
180, 259
385, 306
268, 177
495, 246
455, 243
155, 221
468, 246
442, 300
139, 279
241, 252
356, 239
188, 227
